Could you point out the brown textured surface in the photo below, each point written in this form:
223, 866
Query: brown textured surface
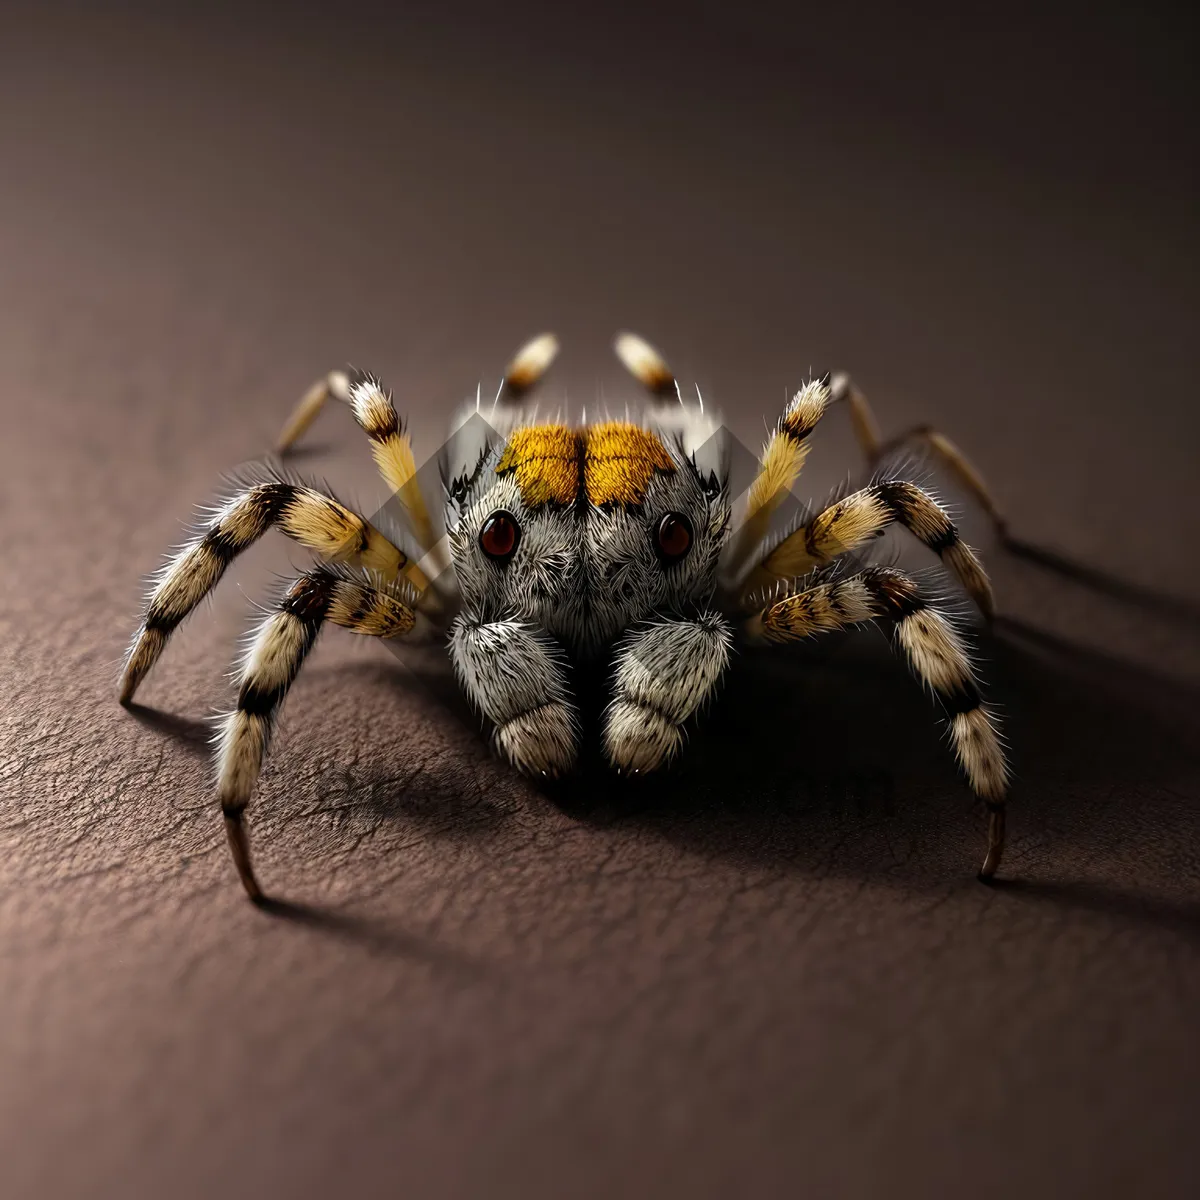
774, 974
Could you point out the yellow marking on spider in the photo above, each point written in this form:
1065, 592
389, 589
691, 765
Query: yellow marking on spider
621, 459
545, 460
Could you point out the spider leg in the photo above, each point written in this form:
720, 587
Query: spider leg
780, 464
646, 365
863, 515
362, 603
308, 516
516, 676
528, 366
391, 445
876, 449
663, 672
936, 655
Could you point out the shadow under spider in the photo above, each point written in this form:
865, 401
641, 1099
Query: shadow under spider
1160, 603
825, 760
1181, 916
376, 936
192, 734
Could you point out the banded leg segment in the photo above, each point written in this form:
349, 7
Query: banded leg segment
516, 676
663, 674
363, 605
865, 514
646, 365
936, 655
391, 446
779, 467
875, 449
528, 366
309, 517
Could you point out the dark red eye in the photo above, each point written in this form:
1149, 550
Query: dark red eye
674, 537
499, 535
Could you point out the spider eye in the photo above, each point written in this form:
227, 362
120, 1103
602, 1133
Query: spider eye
673, 538
500, 535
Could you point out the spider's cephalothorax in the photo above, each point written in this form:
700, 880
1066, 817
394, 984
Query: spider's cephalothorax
584, 531
609, 541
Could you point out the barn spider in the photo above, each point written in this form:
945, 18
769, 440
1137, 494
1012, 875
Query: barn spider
566, 543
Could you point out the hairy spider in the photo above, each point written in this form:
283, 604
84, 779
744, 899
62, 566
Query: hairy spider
565, 543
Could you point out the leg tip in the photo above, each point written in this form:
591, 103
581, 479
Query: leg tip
239, 847
991, 861
995, 850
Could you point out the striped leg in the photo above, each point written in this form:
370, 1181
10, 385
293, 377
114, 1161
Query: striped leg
377, 418
663, 674
361, 603
779, 467
391, 445
936, 655
528, 366
865, 514
646, 365
309, 517
876, 449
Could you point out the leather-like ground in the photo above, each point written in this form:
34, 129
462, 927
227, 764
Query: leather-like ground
771, 973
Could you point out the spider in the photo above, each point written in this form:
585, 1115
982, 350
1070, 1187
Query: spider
565, 544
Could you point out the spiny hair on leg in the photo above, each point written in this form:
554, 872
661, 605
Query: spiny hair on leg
854, 519
787, 447
191, 573
780, 463
273, 651
391, 444
824, 600
270, 661
262, 498
940, 659
770, 591
391, 447
318, 520
360, 601
935, 652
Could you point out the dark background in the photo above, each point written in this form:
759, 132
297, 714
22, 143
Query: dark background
774, 973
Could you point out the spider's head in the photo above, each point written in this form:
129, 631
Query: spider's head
657, 519
583, 531
515, 560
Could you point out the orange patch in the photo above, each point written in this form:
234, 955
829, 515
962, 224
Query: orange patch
618, 460
545, 460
